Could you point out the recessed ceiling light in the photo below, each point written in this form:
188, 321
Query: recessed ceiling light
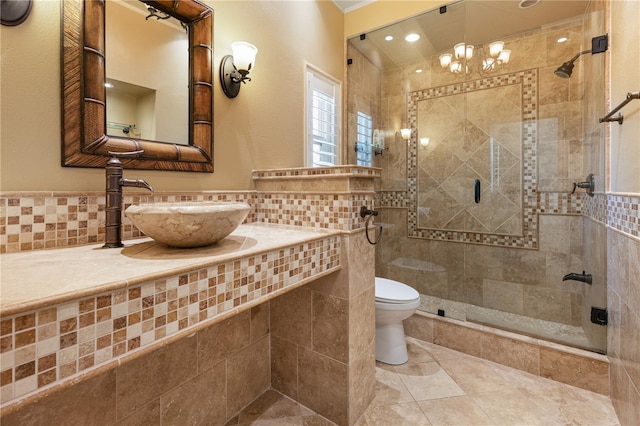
526, 4
418, 71
388, 38
562, 39
412, 37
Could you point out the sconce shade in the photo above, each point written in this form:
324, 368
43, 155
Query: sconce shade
244, 55
405, 133
235, 69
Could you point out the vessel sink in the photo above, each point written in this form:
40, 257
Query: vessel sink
188, 224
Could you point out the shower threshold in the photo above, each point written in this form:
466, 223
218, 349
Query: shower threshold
547, 330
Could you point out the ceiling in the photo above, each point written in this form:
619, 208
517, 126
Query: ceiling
349, 5
473, 21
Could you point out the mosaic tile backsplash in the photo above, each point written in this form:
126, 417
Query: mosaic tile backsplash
35, 221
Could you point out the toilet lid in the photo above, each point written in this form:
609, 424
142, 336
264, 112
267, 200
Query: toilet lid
391, 291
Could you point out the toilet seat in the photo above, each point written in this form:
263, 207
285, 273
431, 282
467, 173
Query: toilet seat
390, 291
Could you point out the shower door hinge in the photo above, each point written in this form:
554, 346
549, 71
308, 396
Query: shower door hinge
599, 316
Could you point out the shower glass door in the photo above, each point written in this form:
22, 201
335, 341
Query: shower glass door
476, 207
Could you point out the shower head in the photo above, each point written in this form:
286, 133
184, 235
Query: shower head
565, 70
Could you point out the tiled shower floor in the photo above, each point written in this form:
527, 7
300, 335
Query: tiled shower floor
439, 386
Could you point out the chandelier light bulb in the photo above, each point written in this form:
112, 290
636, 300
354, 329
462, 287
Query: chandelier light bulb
459, 50
455, 67
488, 64
495, 48
504, 56
468, 51
445, 60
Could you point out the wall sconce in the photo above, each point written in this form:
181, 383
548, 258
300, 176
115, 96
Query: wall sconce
405, 133
424, 142
234, 69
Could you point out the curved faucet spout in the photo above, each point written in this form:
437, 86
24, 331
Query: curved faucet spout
135, 183
585, 278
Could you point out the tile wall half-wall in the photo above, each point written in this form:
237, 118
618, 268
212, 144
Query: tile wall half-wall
265, 350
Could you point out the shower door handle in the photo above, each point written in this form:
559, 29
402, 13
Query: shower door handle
476, 191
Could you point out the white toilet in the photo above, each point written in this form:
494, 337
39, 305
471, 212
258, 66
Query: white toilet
395, 302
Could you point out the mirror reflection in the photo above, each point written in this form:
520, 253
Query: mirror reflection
147, 64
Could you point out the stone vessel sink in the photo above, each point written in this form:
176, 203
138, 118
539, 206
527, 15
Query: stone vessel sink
188, 224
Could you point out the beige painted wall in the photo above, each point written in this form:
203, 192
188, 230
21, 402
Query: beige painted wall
262, 128
625, 77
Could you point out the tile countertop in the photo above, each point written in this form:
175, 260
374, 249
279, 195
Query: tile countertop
36, 279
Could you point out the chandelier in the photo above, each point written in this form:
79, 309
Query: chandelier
463, 54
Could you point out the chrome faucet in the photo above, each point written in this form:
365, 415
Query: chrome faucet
115, 182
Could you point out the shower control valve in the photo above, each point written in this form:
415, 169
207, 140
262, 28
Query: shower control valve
589, 185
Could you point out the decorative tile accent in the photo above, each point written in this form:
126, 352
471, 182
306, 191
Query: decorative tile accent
35, 221
623, 213
595, 207
392, 199
318, 211
528, 81
559, 203
44, 347
319, 171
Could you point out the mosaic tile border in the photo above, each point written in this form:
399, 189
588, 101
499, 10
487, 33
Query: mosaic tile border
529, 238
595, 207
48, 220
623, 213
338, 171
317, 211
44, 347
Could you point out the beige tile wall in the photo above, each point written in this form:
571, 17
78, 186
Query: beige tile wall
623, 292
323, 335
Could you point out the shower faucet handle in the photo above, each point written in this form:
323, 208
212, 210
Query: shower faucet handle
589, 185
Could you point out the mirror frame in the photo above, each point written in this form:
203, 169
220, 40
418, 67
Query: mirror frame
84, 139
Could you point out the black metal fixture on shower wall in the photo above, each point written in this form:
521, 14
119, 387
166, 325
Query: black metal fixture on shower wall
598, 45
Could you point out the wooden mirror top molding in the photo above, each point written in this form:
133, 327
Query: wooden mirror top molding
84, 139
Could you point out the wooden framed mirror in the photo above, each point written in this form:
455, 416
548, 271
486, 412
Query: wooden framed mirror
84, 139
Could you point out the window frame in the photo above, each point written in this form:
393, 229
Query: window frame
336, 85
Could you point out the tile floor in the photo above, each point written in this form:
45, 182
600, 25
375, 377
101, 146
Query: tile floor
439, 386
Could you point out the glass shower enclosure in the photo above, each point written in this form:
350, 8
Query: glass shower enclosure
478, 206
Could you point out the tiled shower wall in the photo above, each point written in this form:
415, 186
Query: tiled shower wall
489, 272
